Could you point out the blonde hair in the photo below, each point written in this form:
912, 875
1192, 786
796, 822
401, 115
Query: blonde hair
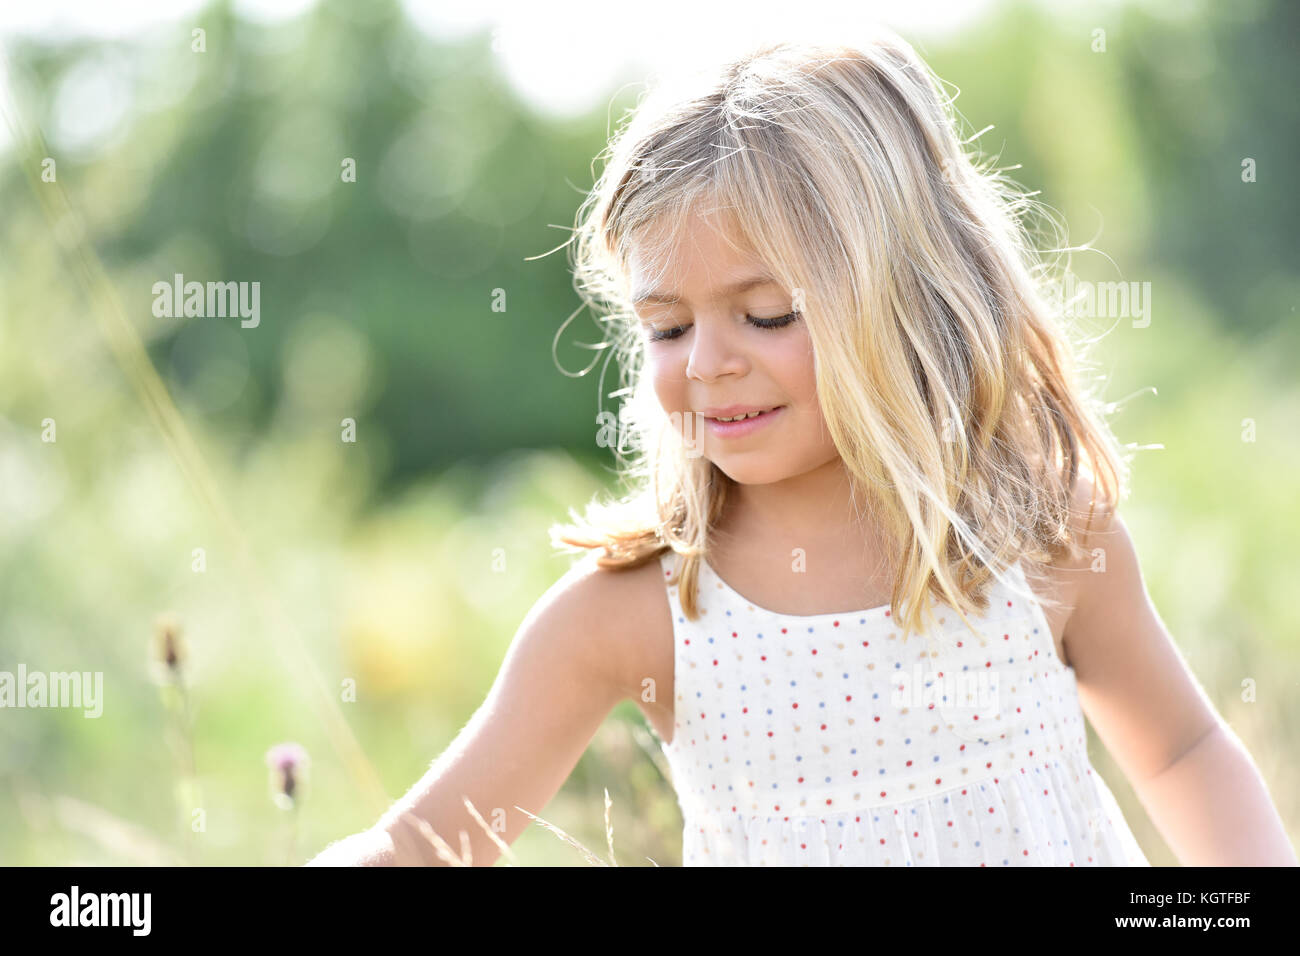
946, 383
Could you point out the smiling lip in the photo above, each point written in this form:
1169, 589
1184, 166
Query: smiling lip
744, 426
731, 411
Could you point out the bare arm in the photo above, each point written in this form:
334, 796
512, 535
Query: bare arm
371, 847
1212, 805
1190, 771
560, 678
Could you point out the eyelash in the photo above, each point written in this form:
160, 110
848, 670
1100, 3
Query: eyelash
667, 335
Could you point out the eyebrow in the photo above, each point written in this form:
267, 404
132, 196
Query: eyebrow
668, 298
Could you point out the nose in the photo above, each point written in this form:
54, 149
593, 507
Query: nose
713, 350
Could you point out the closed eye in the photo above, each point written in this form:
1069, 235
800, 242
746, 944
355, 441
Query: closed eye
664, 335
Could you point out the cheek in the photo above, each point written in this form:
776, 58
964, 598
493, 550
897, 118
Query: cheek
791, 367
794, 371
668, 376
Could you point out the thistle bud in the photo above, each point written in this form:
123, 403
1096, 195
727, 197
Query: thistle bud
169, 649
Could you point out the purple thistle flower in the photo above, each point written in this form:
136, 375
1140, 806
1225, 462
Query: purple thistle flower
288, 761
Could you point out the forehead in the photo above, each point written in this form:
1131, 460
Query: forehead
691, 256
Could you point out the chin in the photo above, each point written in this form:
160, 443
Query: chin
761, 472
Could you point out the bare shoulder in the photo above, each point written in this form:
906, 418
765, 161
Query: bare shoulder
1105, 569
1068, 579
620, 618
1096, 526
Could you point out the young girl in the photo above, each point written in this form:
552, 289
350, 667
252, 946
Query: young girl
869, 576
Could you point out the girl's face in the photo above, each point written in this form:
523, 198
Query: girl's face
708, 354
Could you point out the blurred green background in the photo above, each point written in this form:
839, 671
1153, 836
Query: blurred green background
407, 559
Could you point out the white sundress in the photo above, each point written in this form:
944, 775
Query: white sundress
826, 740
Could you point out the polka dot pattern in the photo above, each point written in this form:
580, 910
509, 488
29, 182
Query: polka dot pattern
827, 740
